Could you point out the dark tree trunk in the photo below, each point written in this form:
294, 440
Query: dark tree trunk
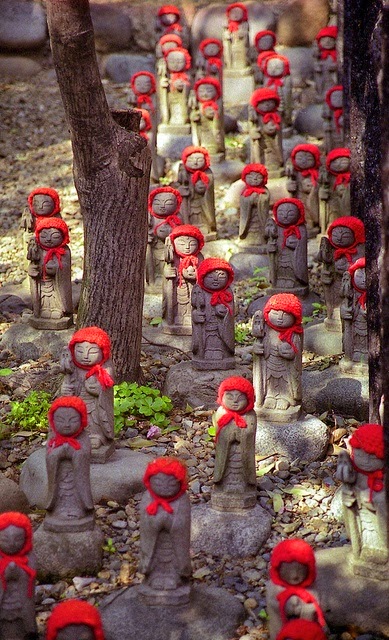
362, 62
111, 174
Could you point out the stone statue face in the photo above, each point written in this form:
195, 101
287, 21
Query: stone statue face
67, 421
293, 573
234, 400
270, 128
43, 204
216, 280
206, 91
168, 18
275, 67
360, 279
12, 539
304, 159
175, 61
143, 84
87, 353
254, 179
343, 236
164, 203
50, 237
367, 461
340, 165
164, 485
327, 42
186, 245
236, 14
265, 43
211, 49
267, 105
287, 213
76, 632
337, 99
281, 319
195, 160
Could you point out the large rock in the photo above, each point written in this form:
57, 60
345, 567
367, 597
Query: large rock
119, 67
22, 25
301, 63
112, 27
306, 439
332, 390
18, 68
309, 121
300, 21
11, 497
28, 343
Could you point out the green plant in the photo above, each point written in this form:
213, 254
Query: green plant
133, 402
30, 414
259, 278
5, 372
109, 546
318, 310
242, 332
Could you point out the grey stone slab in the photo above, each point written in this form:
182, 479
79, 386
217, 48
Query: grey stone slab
229, 534
22, 25
330, 389
117, 479
212, 614
245, 263
112, 27
321, 341
226, 170
306, 439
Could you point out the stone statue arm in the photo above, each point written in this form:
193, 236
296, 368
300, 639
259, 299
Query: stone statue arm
63, 278
286, 351
209, 202
169, 270
81, 468
149, 528
345, 471
258, 332
93, 386
347, 295
198, 320
291, 184
53, 460
227, 39
222, 446
255, 132
300, 256
34, 254
66, 363
180, 532
245, 207
326, 257
183, 180
226, 329
325, 187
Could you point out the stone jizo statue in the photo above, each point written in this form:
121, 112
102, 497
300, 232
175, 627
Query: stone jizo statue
254, 208
287, 240
213, 339
164, 44
50, 275
143, 88
209, 61
164, 204
291, 590
196, 186
43, 202
276, 75
303, 182
169, 23
74, 620
182, 258
325, 65
301, 629
236, 37
264, 43
333, 118
207, 117
88, 370
361, 470
174, 88
68, 453
265, 131
165, 534
335, 186
17, 578
353, 314
277, 358
235, 422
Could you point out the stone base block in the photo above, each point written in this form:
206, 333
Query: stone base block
157, 337
52, 324
186, 385
237, 534
238, 86
117, 479
152, 598
279, 416
66, 555
306, 301
176, 329
321, 341
306, 439
349, 600
171, 145
212, 614
232, 502
357, 369
67, 526
212, 365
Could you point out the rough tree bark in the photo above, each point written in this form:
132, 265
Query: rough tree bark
111, 166
362, 63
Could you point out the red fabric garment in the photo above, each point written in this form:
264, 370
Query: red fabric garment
260, 95
197, 174
342, 177
208, 103
231, 384
192, 260
260, 34
254, 167
331, 32
292, 550
301, 629
305, 596
74, 612
338, 112
49, 222
290, 303
67, 401
20, 558
313, 172
370, 438
290, 229
212, 60
358, 264
47, 192
168, 8
234, 25
277, 81
101, 338
144, 98
357, 227
172, 467
173, 220
222, 296
148, 125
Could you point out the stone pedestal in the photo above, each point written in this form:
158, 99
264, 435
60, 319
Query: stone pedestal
50, 323
306, 438
66, 555
222, 534
212, 614
117, 479
332, 390
238, 86
324, 338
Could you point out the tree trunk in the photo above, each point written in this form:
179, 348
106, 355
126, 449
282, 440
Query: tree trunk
111, 167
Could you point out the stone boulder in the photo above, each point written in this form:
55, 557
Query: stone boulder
119, 67
300, 21
11, 497
22, 25
309, 121
301, 63
18, 68
112, 26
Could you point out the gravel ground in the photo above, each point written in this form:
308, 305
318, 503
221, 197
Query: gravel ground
35, 151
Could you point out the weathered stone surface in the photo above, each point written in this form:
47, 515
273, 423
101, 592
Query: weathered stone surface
300, 21
18, 67
28, 343
288, 144
309, 121
212, 614
306, 439
321, 341
330, 390
10, 304
231, 95
112, 27
229, 534
185, 385
117, 479
226, 170
301, 63
22, 25
65, 555
171, 146
336, 508
245, 263
119, 67
11, 497
347, 599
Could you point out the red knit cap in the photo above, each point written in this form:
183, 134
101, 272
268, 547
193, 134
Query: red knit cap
74, 612
355, 224
358, 264
67, 401
340, 152
168, 8
327, 32
207, 41
264, 94
255, 167
211, 264
187, 57
170, 37
263, 56
44, 191
265, 32
329, 93
238, 5
172, 467
155, 192
292, 550
284, 59
237, 383
290, 303
208, 80
138, 75
301, 629
16, 519
370, 438
147, 119
295, 201
96, 336
193, 149
308, 148
188, 230
52, 223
